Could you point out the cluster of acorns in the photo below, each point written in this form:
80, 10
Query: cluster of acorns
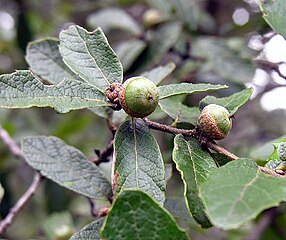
139, 97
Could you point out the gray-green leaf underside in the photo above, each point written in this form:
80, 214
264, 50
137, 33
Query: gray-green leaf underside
274, 13
158, 74
139, 163
23, 90
66, 166
135, 215
232, 103
238, 192
90, 231
89, 55
194, 165
170, 90
45, 60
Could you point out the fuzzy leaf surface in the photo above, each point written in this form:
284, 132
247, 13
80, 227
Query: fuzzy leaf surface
237, 192
66, 166
89, 55
194, 165
135, 215
170, 90
90, 231
232, 103
45, 60
138, 160
22, 90
179, 112
158, 74
274, 13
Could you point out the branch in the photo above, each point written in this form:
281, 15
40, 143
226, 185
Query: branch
16, 151
103, 156
211, 145
14, 211
11, 144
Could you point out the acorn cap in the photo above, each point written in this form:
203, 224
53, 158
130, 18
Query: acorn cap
139, 97
214, 122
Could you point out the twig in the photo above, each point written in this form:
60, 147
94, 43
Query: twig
270, 65
11, 144
211, 145
7, 221
103, 156
92, 208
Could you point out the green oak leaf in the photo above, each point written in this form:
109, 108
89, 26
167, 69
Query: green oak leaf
138, 160
45, 60
274, 13
170, 90
237, 192
179, 112
232, 103
194, 165
135, 215
23, 90
89, 55
90, 231
66, 166
158, 74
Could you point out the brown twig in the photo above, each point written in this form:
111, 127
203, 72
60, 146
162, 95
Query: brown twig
11, 144
16, 151
103, 156
7, 221
211, 145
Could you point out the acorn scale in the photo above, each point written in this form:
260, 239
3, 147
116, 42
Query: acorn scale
139, 97
214, 122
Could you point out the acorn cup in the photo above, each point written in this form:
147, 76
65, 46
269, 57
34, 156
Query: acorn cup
214, 122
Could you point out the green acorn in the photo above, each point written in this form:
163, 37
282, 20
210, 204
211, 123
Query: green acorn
139, 97
214, 122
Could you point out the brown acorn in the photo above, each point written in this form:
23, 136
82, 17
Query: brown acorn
214, 122
139, 97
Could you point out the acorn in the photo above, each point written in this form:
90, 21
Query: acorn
214, 122
139, 97
282, 151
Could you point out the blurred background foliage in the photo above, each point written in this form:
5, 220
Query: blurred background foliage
213, 41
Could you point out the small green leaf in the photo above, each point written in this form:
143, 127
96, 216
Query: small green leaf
129, 51
1, 193
274, 13
113, 18
22, 90
66, 166
90, 231
170, 90
194, 165
139, 163
45, 60
158, 74
135, 215
238, 192
89, 55
179, 112
232, 103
